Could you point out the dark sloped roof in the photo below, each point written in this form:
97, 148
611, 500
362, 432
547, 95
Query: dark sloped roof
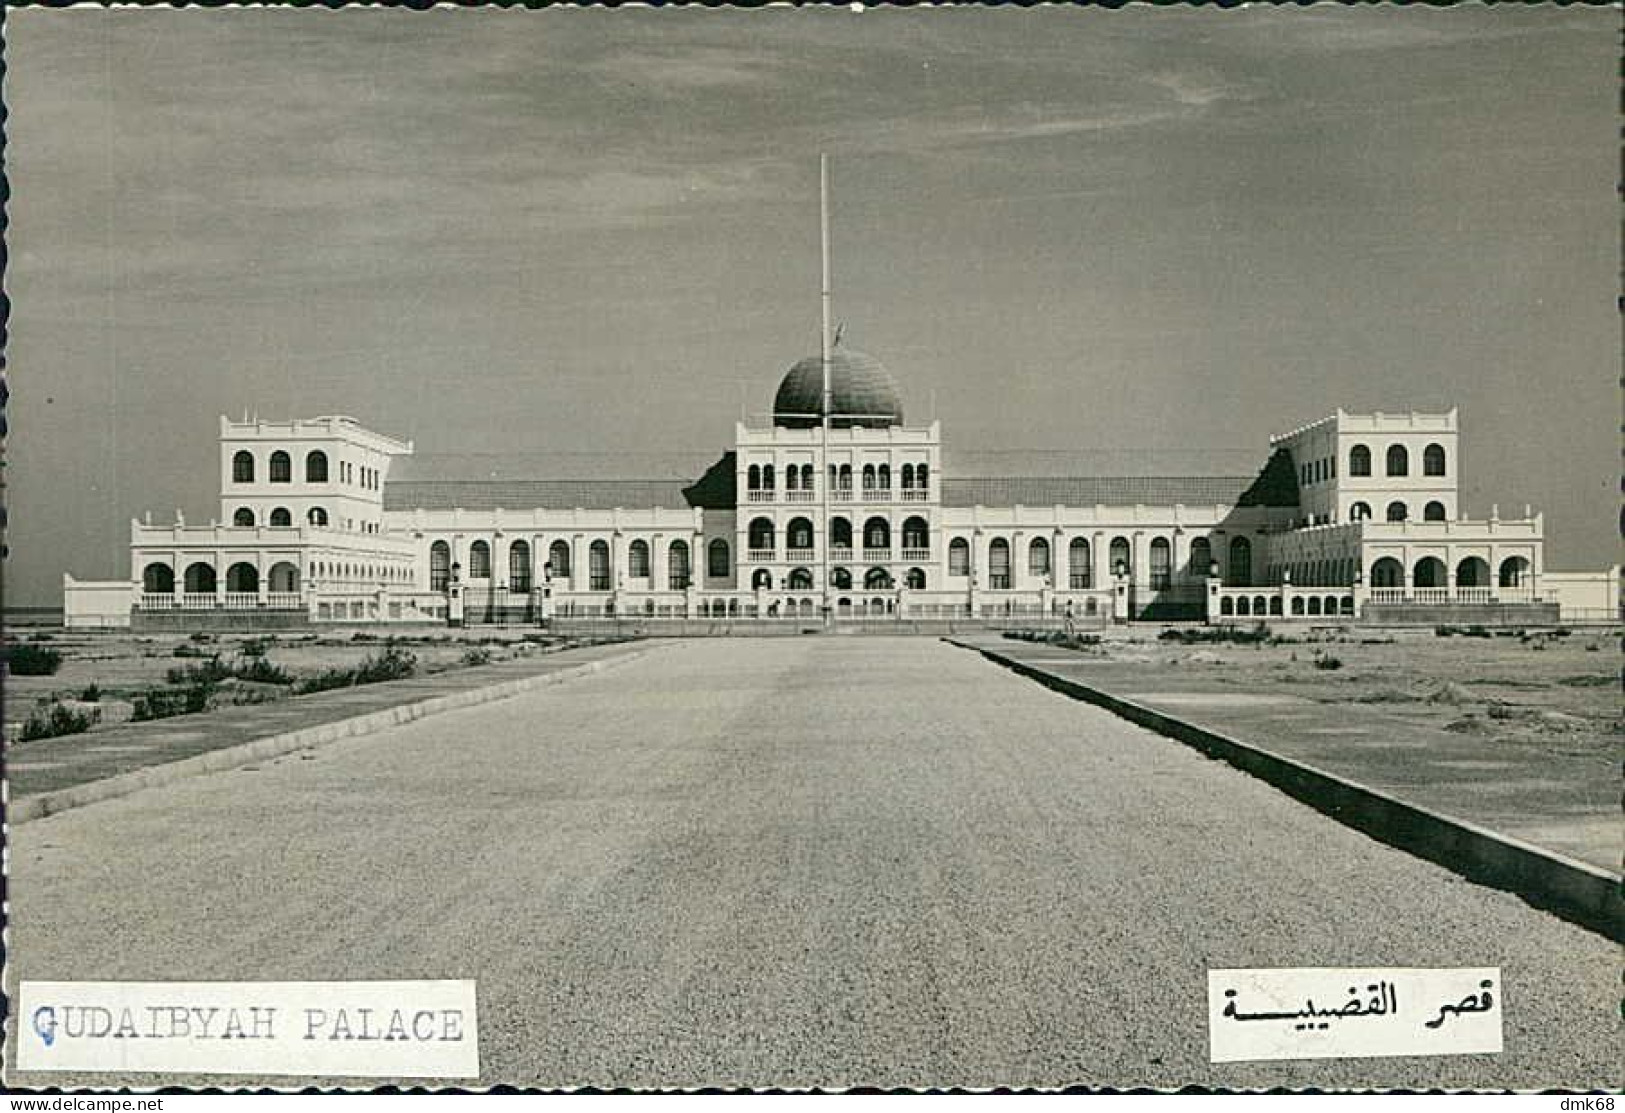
1136, 490
526, 494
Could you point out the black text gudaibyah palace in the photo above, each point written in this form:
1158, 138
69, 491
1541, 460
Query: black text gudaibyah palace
1355, 517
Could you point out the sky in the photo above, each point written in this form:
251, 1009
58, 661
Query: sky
1159, 233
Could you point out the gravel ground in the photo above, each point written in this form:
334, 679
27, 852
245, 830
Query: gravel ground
819, 862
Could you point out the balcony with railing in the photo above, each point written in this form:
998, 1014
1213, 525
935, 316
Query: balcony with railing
916, 494
877, 494
761, 556
799, 496
841, 494
841, 555
760, 496
876, 555
795, 555
916, 555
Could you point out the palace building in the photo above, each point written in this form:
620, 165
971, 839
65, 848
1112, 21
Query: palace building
865, 516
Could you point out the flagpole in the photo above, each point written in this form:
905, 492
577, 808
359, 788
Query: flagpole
823, 344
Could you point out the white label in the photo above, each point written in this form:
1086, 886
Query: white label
1321, 1013
361, 1029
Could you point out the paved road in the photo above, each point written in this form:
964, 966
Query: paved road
828, 861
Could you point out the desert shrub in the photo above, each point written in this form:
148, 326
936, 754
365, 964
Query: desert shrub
165, 703
200, 637
477, 657
28, 660
393, 663
1589, 681
255, 647
1328, 662
1476, 632
261, 671
190, 651
54, 723
1258, 634
362, 636
1443, 631
92, 694
209, 672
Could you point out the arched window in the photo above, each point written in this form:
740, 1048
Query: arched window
283, 578
915, 579
1397, 512
598, 576
1359, 460
1433, 460
1514, 571
753, 477
767, 477
877, 534
199, 579
884, 474
281, 470
761, 578
1399, 461
998, 563
916, 534
281, 518
922, 476
806, 477
558, 555
158, 579
792, 478
316, 516
1082, 575
1359, 512
637, 560
1038, 557
519, 566
846, 477
840, 533
242, 517
316, 466
761, 534
1433, 512
908, 477
242, 578
242, 467
1122, 557
1428, 572
439, 566
1201, 562
1240, 572
677, 566
799, 534
959, 557
800, 579
841, 578
718, 566
1473, 572
877, 579
479, 561
868, 477
1162, 563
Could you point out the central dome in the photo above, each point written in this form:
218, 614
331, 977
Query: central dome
861, 393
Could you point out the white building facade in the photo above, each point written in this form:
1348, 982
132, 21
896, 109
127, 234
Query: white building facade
860, 516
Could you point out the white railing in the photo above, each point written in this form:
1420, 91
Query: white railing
285, 600
154, 601
1387, 595
841, 494
761, 556
876, 554
197, 601
916, 554
1430, 594
798, 496
877, 494
1474, 595
241, 600
759, 496
914, 494
840, 556
798, 554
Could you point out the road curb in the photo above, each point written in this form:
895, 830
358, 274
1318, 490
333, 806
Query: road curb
1576, 891
276, 745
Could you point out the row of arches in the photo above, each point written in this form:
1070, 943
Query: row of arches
1430, 571
279, 517
279, 469
1080, 560
1397, 460
873, 477
1398, 511
840, 578
201, 578
1299, 606
762, 534
599, 574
